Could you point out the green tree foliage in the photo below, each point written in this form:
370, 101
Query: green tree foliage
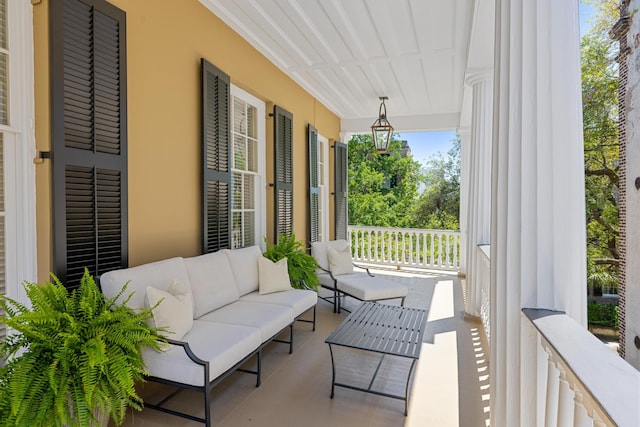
439, 204
601, 151
382, 187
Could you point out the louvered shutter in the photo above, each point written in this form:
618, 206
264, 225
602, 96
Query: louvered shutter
216, 95
314, 219
341, 188
283, 137
89, 124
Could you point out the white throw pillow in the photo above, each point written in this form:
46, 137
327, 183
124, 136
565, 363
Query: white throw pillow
273, 276
340, 262
175, 311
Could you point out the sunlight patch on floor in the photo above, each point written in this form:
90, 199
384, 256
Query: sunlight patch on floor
442, 303
436, 405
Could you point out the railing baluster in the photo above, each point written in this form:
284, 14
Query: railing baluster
565, 401
580, 416
553, 388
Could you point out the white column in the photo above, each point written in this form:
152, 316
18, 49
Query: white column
465, 170
479, 204
538, 239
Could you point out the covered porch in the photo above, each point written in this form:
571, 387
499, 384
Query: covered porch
517, 109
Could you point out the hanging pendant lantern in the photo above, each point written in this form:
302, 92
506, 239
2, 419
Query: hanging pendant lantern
381, 128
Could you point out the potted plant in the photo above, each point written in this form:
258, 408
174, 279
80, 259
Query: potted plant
72, 357
301, 265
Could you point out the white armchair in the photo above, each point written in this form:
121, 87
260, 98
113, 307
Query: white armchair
335, 272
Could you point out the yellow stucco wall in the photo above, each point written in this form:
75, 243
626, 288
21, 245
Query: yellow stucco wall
165, 41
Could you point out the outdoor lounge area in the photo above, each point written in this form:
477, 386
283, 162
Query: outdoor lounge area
450, 386
134, 132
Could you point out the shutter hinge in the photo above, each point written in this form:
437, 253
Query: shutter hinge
42, 156
35, 2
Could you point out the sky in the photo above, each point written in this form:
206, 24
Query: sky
425, 145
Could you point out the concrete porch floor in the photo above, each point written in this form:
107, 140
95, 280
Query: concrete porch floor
450, 386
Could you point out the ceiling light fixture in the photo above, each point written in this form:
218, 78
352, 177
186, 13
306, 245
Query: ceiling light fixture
381, 128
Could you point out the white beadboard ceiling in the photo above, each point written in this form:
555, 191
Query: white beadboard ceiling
347, 53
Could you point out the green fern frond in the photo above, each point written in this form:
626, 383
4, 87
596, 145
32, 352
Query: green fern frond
72, 353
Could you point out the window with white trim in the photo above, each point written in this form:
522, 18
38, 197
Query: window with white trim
247, 169
17, 142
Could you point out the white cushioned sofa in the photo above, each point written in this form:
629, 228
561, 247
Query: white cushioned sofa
335, 272
221, 308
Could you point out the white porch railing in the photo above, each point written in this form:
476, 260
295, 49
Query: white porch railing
581, 382
406, 247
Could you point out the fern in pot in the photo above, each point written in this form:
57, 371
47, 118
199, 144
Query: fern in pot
71, 355
300, 264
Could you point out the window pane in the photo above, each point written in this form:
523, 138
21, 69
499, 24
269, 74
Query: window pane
239, 153
252, 128
236, 231
249, 192
239, 116
3, 90
236, 195
3, 24
252, 155
249, 222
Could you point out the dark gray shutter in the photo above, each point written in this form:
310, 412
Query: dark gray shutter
216, 175
341, 188
312, 136
89, 125
283, 138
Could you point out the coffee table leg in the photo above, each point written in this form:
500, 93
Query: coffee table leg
333, 372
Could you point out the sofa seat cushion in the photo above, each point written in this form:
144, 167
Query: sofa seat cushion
269, 318
221, 344
300, 300
367, 288
159, 275
212, 282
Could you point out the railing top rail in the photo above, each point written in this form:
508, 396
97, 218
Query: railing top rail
611, 382
402, 230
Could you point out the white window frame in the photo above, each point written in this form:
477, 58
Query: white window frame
261, 196
323, 190
19, 153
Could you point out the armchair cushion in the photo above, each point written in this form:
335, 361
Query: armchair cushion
319, 251
340, 261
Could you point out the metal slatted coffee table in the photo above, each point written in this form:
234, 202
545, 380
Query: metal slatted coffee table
384, 329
